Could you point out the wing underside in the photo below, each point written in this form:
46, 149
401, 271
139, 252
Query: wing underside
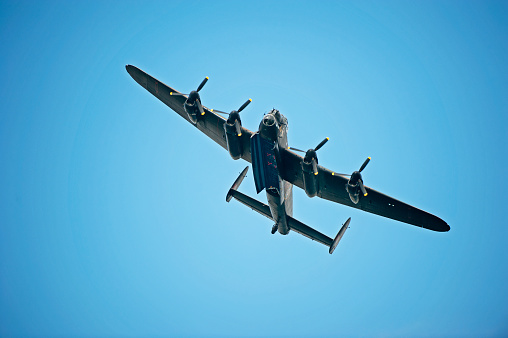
333, 188
210, 123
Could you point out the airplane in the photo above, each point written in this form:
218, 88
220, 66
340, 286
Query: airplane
277, 167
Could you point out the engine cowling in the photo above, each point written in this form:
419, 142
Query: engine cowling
310, 169
353, 191
355, 184
191, 106
310, 179
233, 129
234, 140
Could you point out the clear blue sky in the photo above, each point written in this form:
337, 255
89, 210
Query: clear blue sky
113, 218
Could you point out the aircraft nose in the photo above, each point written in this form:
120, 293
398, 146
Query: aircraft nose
268, 127
268, 120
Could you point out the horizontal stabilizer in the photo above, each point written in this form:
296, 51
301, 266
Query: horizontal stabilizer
341, 233
255, 205
308, 232
293, 224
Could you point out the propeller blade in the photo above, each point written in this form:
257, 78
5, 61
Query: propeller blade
364, 164
218, 111
238, 128
202, 84
200, 107
177, 94
245, 105
314, 166
296, 149
333, 174
321, 144
362, 188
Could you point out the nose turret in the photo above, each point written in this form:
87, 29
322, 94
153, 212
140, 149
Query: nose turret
269, 120
268, 127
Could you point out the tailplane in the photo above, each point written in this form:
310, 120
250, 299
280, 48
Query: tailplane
293, 224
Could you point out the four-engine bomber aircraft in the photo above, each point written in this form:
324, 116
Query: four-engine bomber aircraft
276, 168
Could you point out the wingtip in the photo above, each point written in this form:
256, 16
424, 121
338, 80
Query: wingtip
130, 69
440, 226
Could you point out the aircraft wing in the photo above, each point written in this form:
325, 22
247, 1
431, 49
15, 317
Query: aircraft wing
210, 124
333, 188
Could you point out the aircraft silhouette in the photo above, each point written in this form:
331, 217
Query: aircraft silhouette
277, 167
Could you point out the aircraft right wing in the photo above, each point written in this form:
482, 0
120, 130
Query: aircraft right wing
333, 188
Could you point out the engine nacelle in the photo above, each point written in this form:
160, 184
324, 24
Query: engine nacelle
191, 106
192, 111
234, 142
354, 192
310, 180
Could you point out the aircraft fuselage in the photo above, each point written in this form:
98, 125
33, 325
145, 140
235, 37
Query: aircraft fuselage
271, 137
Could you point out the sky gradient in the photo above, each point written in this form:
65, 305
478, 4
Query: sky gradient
113, 218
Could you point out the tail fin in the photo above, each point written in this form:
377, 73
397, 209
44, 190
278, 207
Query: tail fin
237, 183
341, 233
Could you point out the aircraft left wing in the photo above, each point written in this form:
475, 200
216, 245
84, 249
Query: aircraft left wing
332, 187
210, 124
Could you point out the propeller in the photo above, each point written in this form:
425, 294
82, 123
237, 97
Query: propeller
310, 155
364, 164
234, 116
356, 177
194, 96
201, 85
360, 180
237, 111
359, 171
